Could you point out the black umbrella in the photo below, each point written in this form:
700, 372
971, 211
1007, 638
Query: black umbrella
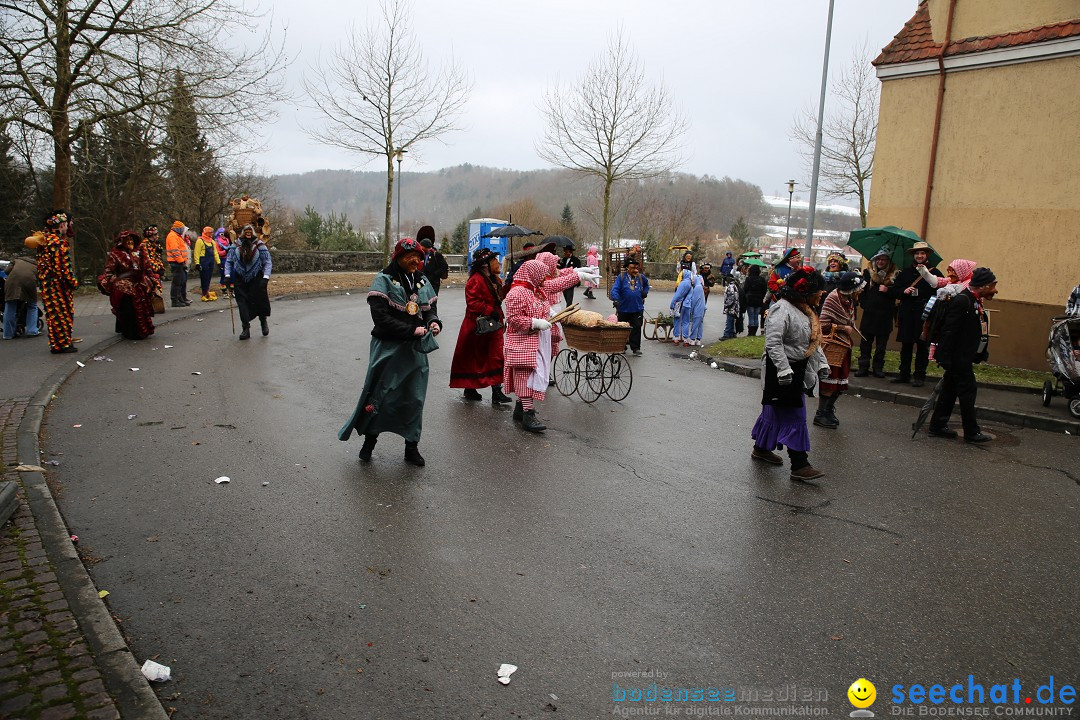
927, 408
561, 241
511, 231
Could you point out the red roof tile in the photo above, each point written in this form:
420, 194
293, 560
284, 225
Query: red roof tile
916, 41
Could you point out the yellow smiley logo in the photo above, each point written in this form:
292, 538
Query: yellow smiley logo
862, 693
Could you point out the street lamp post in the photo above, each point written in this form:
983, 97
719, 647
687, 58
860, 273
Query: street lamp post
817, 140
790, 193
399, 153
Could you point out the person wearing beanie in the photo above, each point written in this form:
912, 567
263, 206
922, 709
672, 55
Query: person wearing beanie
913, 291
402, 305
838, 337
435, 267
206, 257
178, 255
791, 366
962, 341
878, 304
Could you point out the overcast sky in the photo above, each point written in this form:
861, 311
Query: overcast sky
739, 69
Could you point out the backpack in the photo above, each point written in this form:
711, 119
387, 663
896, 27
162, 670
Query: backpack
931, 331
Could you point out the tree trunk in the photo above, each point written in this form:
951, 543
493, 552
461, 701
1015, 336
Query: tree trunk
387, 245
606, 219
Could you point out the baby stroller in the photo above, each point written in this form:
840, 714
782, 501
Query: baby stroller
1063, 355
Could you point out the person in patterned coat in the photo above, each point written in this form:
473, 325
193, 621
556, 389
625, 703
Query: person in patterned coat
151, 249
128, 282
57, 281
531, 341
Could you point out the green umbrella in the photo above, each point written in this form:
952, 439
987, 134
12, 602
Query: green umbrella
755, 261
750, 255
868, 241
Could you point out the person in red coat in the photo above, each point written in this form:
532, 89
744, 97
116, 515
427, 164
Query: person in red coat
478, 358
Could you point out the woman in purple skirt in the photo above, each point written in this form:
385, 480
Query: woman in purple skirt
790, 368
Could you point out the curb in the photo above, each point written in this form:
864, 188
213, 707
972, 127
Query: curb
1008, 417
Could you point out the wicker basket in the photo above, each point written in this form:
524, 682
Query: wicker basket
243, 216
596, 339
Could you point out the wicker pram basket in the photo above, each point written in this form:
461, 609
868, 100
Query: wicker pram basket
603, 339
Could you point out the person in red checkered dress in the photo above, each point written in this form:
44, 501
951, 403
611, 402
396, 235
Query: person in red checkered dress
531, 341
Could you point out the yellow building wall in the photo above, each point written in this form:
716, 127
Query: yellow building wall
977, 18
1006, 186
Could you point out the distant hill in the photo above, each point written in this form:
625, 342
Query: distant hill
444, 197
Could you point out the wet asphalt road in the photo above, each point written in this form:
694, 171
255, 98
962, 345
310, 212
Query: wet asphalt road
630, 537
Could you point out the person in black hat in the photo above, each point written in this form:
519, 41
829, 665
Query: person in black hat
962, 341
435, 267
569, 260
914, 292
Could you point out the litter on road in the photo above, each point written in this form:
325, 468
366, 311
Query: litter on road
132, 417
196, 372
505, 671
168, 346
29, 468
265, 484
103, 594
77, 426
155, 672
134, 369
80, 364
222, 479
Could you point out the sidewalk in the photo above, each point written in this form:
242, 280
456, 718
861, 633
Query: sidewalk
1021, 408
61, 654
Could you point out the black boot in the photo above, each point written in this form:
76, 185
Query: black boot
265, 327
471, 394
369, 446
412, 455
518, 412
830, 410
821, 417
751, 330
498, 397
246, 333
530, 423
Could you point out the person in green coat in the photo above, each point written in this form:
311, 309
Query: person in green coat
402, 306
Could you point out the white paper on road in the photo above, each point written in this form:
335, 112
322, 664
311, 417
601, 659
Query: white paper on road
80, 364
505, 671
168, 346
155, 672
222, 479
134, 369
132, 416
196, 373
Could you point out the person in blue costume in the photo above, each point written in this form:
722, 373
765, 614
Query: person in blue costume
402, 306
697, 309
681, 309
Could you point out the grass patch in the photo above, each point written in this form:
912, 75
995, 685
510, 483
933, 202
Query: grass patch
752, 347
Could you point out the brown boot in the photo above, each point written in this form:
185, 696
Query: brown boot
807, 473
766, 456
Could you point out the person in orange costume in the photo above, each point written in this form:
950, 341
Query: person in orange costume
57, 281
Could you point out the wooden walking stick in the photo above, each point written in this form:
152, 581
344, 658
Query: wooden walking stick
232, 316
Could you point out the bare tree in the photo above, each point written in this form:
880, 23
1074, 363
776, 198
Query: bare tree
848, 133
612, 124
378, 95
67, 65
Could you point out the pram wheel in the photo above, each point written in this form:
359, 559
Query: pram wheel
1048, 392
1074, 407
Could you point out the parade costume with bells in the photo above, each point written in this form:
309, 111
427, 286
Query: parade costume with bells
129, 284
395, 386
58, 283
